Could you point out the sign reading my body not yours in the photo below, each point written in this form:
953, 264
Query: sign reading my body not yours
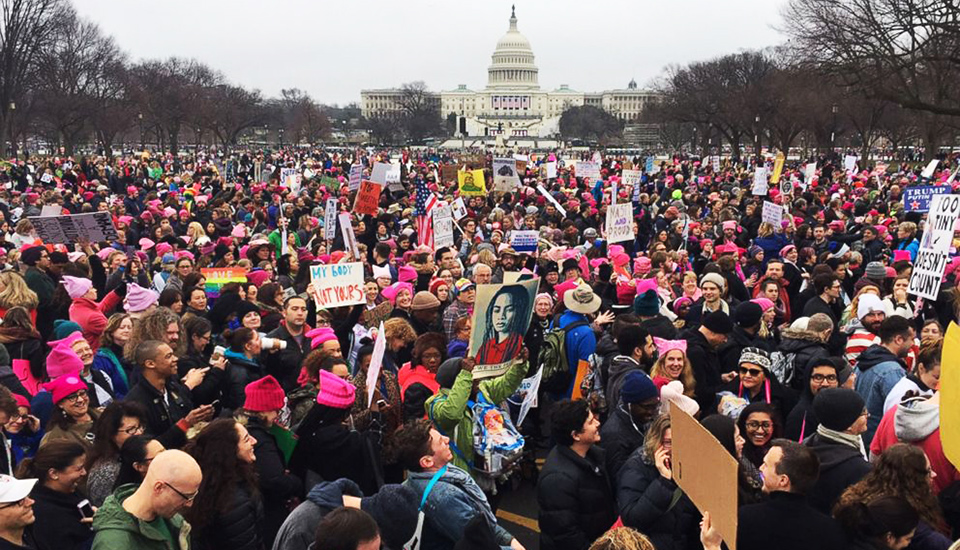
338, 284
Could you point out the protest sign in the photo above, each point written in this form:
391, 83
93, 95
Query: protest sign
379, 172
368, 198
459, 209
706, 472
331, 183
524, 241
216, 277
472, 183
631, 177
505, 175
759, 181
349, 237
777, 168
290, 179
715, 163
772, 213
850, 163
94, 227
588, 170
931, 167
330, 220
938, 233
356, 174
917, 198
619, 223
528, 390
337, 285
950, 395
809, 172
650, 167
927, 273
448, 172
551, 170
442, 226
501, 316
376, 360
552, 200
51, 210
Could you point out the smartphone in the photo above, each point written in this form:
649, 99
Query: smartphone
215, 403
86, 510
218, 352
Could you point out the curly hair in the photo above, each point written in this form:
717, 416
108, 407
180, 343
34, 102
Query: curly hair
426, 341
399, 328
900, 471
153, 326
215, 450
623, 538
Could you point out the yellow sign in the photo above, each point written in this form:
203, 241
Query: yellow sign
472, 182
950, 394
777, 168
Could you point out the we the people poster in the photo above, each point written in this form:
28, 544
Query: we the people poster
501, 315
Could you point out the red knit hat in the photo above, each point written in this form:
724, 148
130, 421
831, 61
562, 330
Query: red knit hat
264, 395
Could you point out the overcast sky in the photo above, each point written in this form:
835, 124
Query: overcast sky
334, 49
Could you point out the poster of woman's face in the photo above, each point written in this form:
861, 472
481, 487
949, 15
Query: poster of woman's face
501, 317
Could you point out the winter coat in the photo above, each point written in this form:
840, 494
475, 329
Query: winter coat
806, 346
575, 499
112, 365
163, 415
57, 525
238, 527
90, 316
117, 528
285, 364
840, 467
878, 371
706, 369
213, 384
786, 522
30, 349
648, 503
783, 399
580, 344
335, 451
241, 370
619, 437
276, 485
620, 366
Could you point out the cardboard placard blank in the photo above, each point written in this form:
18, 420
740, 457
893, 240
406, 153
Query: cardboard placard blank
706, 472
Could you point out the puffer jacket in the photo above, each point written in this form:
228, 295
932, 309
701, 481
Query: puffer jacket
241, 371
239, 527
117, 528
806, 346
619, 437
650, 503
277, 485
620, 365
575, 499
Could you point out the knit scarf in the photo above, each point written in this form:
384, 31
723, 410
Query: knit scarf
843, 438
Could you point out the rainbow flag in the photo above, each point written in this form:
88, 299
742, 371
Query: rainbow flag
216, 277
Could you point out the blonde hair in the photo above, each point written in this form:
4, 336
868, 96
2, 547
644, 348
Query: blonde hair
622, 538
195, 230
16, 292
686, 375
765, 230
654, 436
113, 323
487, 257
399, 328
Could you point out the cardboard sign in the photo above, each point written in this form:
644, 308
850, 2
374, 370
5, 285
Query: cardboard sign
931, 167
472, 183
777, 168
368, 198
588, 170
330, 220
772, 213
376, 361
619, 223
337, 285
809, 172
356, 174
706, 472
459, 209
950, 395
551, 170
715, 163
524, 240
917, 198
349, 237
501, 317
290, 179
938, 233
448, 172
631, 177
928, 273
759, 181
442, 226
94, 227
850, 163
505, 176
216, 277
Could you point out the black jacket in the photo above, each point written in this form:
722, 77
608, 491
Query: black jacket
645, 500
162, 416
237, 528
276, 485
211, 388
619, 367
335, 451
575, 499
737, 340
706, 369
619, 436
660, 326
240, 372
284, 365
58, 526
786, 522
840, 467
805, 347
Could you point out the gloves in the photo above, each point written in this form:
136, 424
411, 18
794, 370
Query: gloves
121, 289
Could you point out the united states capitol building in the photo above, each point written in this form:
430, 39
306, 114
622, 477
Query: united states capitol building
512, 104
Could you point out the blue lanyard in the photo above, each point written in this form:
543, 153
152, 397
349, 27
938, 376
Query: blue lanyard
433, 481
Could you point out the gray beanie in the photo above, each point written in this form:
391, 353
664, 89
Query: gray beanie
875, 271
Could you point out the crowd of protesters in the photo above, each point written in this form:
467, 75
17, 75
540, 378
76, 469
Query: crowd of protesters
145, 407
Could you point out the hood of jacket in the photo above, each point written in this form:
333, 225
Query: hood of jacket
112, 516
915, 419
874, 355
795, 339
606, 346
831, 453
620, 365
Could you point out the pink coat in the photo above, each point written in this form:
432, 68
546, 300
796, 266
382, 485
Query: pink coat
90, 316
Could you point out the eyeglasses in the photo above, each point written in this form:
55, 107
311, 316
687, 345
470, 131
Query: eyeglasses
820, 378
76, 397
751, 372
133, 430
188, 498
22, 502
755, 425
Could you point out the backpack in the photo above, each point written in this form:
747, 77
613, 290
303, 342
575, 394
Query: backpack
782, 366
496, 442
553, 359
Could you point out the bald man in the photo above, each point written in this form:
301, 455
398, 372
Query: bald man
148, 517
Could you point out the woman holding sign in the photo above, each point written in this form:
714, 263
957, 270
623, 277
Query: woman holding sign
503, 335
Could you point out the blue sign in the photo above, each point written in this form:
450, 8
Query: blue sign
649, 167
917, 199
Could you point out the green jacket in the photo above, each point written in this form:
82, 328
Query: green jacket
41, 283
448, 409
275, 238
116, 528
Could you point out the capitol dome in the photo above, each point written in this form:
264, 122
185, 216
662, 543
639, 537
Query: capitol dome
513, 66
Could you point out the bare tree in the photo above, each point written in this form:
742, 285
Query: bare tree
233, 110
420, 111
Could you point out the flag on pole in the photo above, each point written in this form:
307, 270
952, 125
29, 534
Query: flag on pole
423, 213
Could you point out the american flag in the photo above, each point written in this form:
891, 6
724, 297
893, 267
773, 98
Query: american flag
424, 213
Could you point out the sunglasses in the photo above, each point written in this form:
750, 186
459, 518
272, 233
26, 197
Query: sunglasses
751, 372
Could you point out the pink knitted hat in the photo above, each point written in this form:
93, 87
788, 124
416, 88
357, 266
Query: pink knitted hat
76, 286
64, 386
263, 395
320, 335
139, 298
406, 274
63, 361
335, 392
